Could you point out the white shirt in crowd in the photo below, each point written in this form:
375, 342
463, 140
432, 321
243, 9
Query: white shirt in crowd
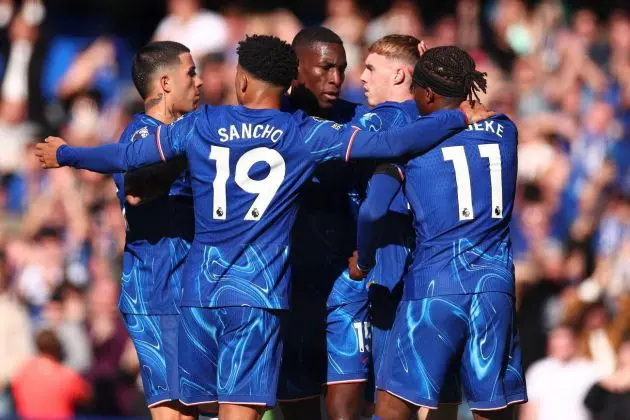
557, 389
203, 33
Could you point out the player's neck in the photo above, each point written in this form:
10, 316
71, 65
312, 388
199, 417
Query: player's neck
263, 102
445, 103
302, 98
400, 94
156, 107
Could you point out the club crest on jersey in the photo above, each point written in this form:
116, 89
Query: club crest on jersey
140, 134
371, 121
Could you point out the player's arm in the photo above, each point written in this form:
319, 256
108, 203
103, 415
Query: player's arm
327, 140
166, 143
417, 137
385, 116
153, 181
382, 188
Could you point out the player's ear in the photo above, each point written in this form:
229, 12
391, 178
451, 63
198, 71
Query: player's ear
399, 76
244, 82
430, 95
166, 83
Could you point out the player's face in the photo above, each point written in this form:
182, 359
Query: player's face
423, 97
378, 77
322, 71
186, 84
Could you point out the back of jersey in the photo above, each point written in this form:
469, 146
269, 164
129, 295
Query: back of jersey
462, 194
246, 167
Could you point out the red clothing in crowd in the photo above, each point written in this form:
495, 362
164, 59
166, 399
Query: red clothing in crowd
43, 387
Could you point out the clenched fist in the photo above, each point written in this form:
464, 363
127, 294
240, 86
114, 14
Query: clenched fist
47, 152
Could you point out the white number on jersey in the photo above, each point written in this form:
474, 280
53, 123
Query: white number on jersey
364, 335
265, 189
457, 155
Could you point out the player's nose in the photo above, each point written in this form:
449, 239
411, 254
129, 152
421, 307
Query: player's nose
335, 77
364, 77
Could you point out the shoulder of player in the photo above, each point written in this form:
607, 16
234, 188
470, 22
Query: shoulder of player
141, 126
497, 126
305, 121
404, 109
345, 111
203, 113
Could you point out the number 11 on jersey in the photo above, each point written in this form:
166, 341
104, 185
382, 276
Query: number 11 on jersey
457, 155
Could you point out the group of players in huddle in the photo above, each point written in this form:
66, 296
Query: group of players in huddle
237, 288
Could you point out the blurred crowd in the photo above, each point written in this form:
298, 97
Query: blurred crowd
563, 75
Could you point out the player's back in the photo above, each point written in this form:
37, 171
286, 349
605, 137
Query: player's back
246, 168
462, 194
158, 237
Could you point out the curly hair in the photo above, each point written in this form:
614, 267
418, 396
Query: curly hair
269, 59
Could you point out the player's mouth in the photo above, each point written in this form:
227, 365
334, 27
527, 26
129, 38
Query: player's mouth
330, 96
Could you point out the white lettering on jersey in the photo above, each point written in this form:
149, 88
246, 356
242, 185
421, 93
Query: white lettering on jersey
249, 131
487, 126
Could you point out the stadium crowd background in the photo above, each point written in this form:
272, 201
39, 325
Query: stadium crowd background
562, 72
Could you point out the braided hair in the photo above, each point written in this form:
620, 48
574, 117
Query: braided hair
451, 72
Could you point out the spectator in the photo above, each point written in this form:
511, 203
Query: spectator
15, 335
599, 336
609, 399
43, 387
213, 70
115, 391
66, 315
557, 385
200, 30
403, 17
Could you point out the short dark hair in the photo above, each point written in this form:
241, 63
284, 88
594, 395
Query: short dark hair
268, 58
450, 72
150, 58
313, 34
47, 343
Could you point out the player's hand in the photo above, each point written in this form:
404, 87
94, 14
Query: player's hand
422, 48
47, 152
475, 111
355, 272
132, 200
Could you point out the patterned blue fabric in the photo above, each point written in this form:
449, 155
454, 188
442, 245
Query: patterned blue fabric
156, 343
439, 345
230, 355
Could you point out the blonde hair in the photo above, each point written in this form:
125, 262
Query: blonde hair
398, 47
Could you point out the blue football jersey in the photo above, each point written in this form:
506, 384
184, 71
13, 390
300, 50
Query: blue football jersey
256, 162
397, 238
247, 167
392, 256
158, 237
462, 194
324, 231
